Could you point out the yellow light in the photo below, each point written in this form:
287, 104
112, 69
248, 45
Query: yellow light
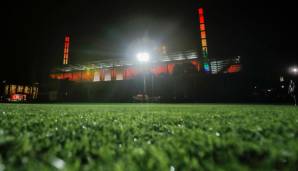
204, 42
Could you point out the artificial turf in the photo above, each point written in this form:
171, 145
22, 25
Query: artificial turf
166, 137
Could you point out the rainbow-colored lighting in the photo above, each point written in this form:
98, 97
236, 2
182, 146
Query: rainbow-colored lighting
66, 50
203, 38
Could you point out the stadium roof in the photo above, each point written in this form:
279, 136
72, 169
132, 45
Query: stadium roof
118, 62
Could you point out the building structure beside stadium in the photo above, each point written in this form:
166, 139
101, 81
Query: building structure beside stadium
13, 92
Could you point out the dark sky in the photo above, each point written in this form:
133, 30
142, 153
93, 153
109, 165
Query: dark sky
262, 33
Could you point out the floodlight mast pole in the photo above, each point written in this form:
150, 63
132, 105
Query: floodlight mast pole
152, 85
145, 83
144, 66
143, 58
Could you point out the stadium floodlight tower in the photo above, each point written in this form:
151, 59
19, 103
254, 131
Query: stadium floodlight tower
143, 58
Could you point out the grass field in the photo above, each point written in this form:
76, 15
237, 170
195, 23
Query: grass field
148, 137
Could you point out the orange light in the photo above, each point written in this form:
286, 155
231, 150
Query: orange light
203, 35
87, 75
202, 27
196, 64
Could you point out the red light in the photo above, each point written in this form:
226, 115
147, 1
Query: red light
53, 76
171, 68
113, 74
67, 39
202, 20
159, 70
18, 97
201, 11
234, 68
67, 76
129, 73
77, 76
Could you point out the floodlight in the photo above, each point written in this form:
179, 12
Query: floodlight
143, 57
294, 70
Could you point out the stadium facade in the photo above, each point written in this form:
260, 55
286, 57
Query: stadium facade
162, 63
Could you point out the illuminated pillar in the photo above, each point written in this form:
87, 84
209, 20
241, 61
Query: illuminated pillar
96, 77
203, 34
101, 75
119, 74
107, 74
66, 50
113, 74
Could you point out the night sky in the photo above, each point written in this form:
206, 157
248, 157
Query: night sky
262, 33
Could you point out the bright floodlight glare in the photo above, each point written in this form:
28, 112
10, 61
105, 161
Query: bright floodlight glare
143, 57
294, 70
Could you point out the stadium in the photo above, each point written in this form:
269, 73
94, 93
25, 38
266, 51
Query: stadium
134, 71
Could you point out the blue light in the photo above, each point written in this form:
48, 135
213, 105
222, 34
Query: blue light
206, 67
